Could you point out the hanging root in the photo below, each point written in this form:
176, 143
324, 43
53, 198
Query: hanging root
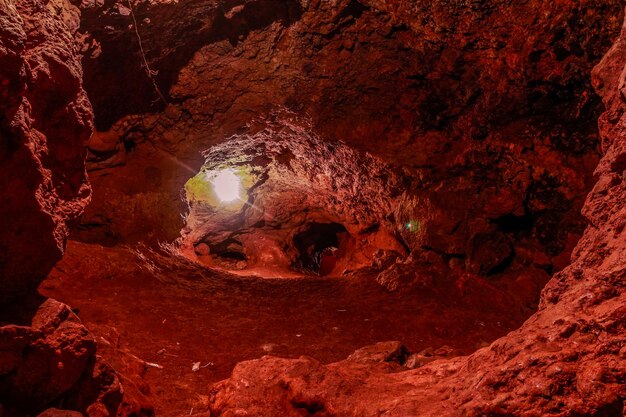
149, 71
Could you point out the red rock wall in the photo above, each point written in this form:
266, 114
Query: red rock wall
47, 357
45, 120
486, 109
569, 359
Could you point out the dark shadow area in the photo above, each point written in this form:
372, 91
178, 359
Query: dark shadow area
21, 312
116, 80
230, 249
316, 247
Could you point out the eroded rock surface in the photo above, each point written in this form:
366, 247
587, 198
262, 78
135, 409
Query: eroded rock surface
484, 110
45, 120
300, 203
49, 358
567, 359
491, 129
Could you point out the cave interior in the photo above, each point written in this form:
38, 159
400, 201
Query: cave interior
312, 208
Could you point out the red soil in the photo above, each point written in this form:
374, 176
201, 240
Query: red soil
175, 314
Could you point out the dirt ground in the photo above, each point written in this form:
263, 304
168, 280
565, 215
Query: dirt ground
155, 317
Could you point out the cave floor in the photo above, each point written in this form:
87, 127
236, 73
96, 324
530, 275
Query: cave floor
146, 308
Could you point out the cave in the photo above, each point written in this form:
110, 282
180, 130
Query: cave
312, 208
318, 246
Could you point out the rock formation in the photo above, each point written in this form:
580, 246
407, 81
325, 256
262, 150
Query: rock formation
46, 355
400, 157
50, 359
491, 130
567, 359
46, 120
284, 168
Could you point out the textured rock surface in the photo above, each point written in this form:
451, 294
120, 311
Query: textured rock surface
45, 120
144, 307
567, 359
55, 412
48, 359
305, 204
484, 112
491, 129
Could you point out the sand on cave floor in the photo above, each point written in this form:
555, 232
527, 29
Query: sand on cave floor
146, 307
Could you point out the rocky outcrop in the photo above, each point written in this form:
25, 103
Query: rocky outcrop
483, 108
568, 359
45, 120
161, 36
491, 130
49, 358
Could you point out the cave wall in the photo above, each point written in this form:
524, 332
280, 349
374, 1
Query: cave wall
485, 110
453, 64
489, 108
45, 121
567, 359
47, 357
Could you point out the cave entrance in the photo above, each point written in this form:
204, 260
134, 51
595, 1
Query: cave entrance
229, 254
318, 246
282, 202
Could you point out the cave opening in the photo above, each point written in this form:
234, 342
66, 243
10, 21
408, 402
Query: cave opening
278, 194
316, 177
319, 246
230, 252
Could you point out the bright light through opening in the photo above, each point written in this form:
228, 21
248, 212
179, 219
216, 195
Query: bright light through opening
227, 186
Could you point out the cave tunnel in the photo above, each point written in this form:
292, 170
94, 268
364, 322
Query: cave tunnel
317, 246
312, 208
